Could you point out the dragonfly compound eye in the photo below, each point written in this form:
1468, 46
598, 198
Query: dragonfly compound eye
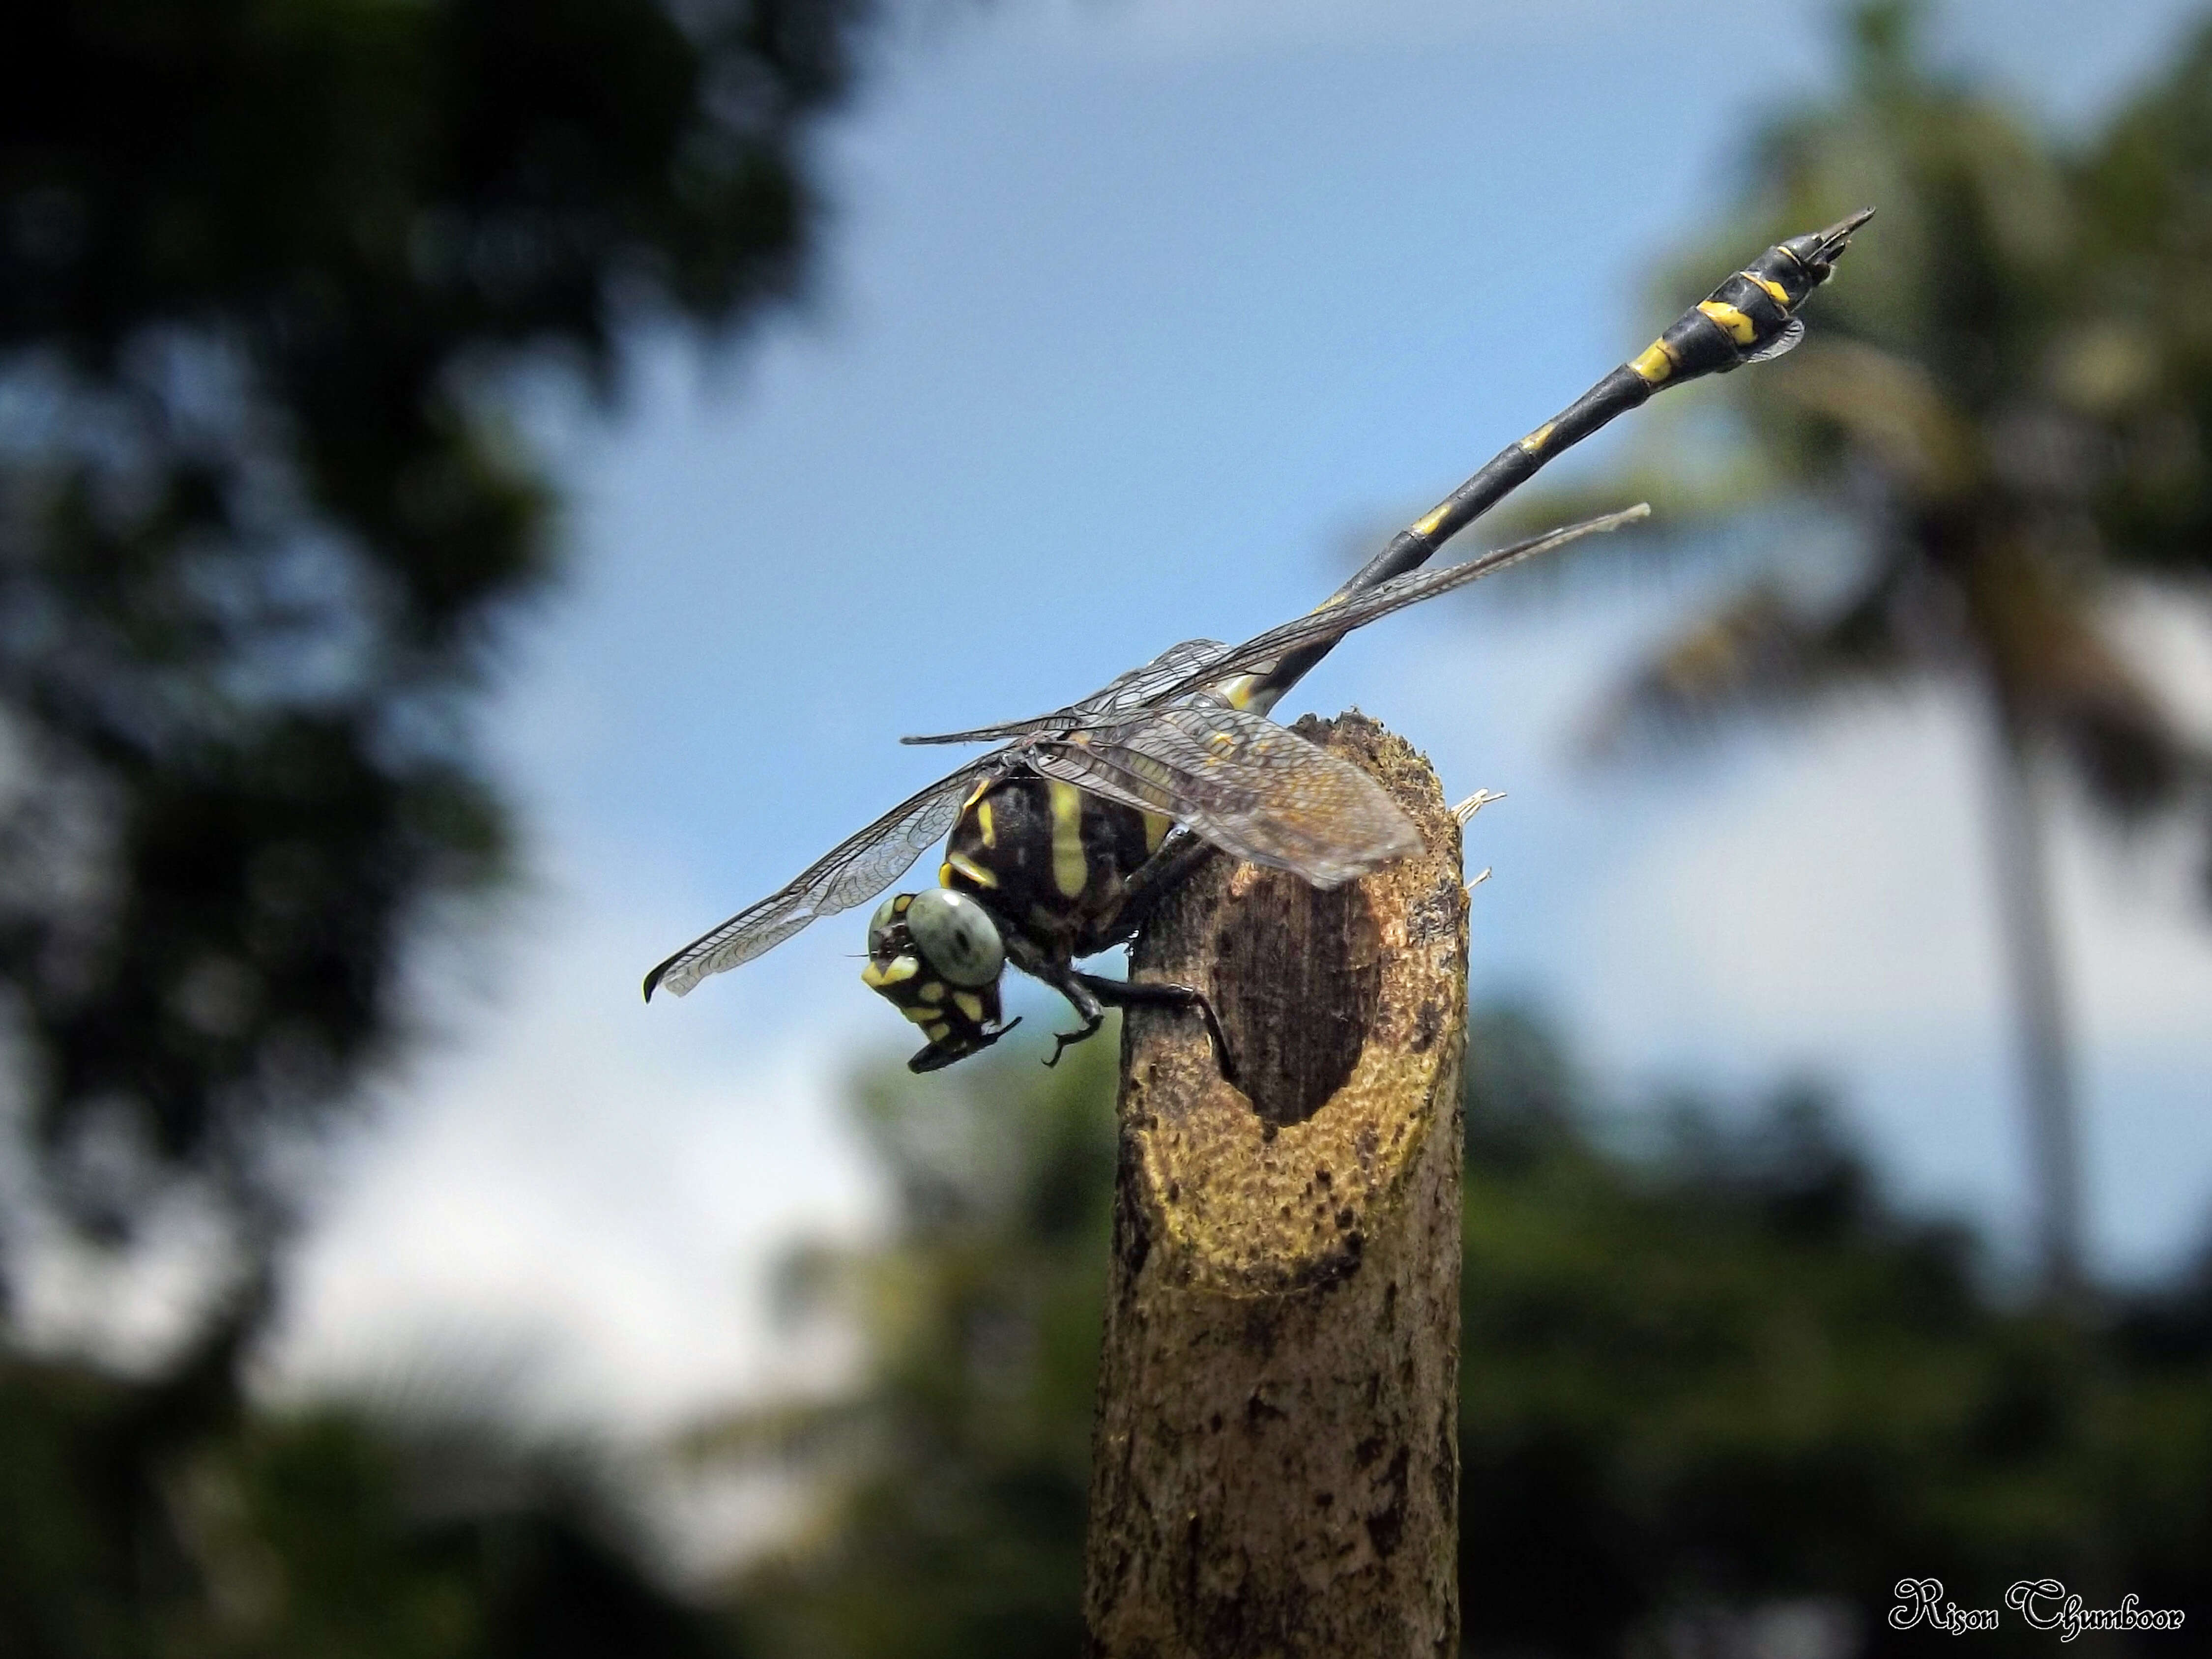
956, 936
882, 941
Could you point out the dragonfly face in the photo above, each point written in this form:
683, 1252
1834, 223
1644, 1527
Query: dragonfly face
936, 957
1034, 864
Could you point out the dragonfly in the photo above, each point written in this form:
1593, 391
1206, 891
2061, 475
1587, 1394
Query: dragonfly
1061, 839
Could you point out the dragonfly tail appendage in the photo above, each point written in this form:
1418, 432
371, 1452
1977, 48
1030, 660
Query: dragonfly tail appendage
1742, 320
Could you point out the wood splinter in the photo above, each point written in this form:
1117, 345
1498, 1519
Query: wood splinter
1276, 1461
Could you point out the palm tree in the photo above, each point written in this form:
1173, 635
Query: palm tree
2010, 403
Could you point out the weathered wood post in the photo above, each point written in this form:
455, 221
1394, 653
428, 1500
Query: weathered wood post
1276, 1463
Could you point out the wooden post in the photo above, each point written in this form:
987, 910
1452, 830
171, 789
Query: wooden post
1275, 1469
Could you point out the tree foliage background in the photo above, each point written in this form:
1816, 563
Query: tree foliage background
1716, 1387
264, 264
261, 265
2005, 409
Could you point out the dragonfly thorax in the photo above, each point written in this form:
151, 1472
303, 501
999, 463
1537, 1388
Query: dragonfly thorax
1034, 865
1051, 862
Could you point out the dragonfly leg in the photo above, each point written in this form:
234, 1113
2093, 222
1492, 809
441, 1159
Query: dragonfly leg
1154, 879
1144, 994
1077, 988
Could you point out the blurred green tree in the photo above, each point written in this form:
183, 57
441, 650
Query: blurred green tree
262, 265
160, 1519
945, 1488
1716, 1390
2009, 401
265, 266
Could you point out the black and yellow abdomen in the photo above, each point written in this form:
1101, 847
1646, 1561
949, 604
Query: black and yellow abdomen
1050, 860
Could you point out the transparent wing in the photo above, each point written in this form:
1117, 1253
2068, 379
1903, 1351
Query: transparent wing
854, 871
1183, 668
1115, 701
1785, 341
1334, 620
1253, 789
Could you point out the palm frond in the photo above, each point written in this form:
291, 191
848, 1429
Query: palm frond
1891, 411
1760, 652
2061, 673
781, 1430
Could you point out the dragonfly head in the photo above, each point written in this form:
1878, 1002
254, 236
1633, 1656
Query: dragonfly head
936, 957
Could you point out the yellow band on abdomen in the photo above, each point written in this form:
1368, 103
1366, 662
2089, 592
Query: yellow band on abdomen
1652, 363
1740, 328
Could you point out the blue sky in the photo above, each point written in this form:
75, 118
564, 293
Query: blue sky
1135, 321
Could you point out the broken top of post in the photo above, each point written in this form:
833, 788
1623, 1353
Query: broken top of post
1276, 1466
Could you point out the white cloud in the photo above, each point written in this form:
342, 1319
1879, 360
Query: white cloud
127, 1309
1817, 896
1832, 893
1839, 892
583, 1196
1177, 30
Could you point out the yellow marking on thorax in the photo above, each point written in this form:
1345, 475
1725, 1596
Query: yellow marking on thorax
977, 793
1775, 291
937, 1032
970, 1005
920, 1016
875, 976
1535, 442
1740, 328
1655, 363
968, 867
1156, 830
933, 992
1071, 871
983, 823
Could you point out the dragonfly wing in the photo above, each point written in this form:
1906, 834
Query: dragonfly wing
1340, 617
1787, 340
854, 871
1183, 668
1116, 700
1255, 790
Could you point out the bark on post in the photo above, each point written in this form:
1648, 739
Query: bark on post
1276, 1463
